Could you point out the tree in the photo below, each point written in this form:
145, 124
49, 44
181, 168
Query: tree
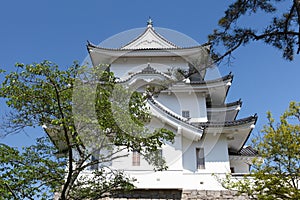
282, 31
60, 101
33, 173
276, 175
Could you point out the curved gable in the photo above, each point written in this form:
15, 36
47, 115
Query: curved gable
150, 40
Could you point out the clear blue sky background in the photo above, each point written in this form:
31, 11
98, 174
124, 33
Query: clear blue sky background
34, 30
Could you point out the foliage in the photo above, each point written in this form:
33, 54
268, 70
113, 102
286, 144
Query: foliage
104, 180
91, 121
278, 176
282, 31
33, 173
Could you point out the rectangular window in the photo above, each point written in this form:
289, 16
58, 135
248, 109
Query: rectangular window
135, 158
200, 158
186, 113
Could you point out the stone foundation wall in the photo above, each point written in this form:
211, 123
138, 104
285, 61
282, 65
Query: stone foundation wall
178, 195
211, 194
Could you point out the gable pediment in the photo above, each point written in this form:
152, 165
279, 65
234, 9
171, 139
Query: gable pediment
149, 40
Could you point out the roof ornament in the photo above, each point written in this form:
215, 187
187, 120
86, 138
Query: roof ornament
149, 22
149, 70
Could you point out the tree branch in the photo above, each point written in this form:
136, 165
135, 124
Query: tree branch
70, 151
12, 192
262, 36
230, 50
297, 5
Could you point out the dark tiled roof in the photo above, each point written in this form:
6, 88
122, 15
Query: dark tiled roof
204, 82
235, 103
248, 151
167, 112
202, 125
245, 151
224, 78
227, 123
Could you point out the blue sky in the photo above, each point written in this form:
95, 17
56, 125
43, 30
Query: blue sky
33, 31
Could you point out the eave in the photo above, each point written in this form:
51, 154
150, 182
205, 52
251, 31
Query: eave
215, 90
226, 112
100, 55
229, 124
246, 151
237, 132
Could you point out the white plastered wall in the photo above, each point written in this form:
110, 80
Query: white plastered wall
215, 152
189, 101
240, 165
123, 67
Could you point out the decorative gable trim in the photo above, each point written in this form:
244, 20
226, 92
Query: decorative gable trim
150, 39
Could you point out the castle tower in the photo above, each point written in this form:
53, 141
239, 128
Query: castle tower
209, 137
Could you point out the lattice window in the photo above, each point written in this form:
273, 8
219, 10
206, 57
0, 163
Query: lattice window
200, 158
186, 113
136, 158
